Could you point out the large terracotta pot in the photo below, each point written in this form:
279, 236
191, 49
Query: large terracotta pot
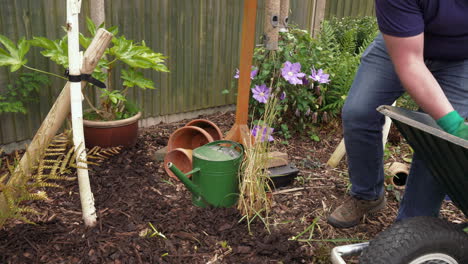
208, 126
188, 137
111, 133
182, 158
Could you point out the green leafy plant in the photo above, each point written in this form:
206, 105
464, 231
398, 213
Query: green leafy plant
25, 89
113, 104
14, 55
26, 85
133, 57
336, 51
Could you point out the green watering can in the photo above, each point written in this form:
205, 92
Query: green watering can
215, 179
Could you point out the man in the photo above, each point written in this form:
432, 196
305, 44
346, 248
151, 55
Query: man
423, 48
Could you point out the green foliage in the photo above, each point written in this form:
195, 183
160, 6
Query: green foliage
25, 89
359, 30
55, 50
14, 54
337, 50
135, 57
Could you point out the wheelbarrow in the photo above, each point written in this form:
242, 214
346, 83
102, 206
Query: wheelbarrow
423, 240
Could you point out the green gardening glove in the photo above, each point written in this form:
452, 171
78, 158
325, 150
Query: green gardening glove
454, 124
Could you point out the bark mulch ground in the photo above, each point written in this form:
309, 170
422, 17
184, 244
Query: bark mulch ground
133, 194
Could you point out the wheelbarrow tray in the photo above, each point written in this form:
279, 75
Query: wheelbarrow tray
445, 155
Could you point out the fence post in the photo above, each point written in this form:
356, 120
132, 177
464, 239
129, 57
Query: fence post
317, 16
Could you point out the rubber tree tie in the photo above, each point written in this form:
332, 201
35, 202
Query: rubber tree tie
84, 77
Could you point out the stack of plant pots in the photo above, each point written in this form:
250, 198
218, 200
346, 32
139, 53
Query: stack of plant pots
194, 134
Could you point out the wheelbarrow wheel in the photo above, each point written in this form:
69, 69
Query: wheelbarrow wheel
418, 240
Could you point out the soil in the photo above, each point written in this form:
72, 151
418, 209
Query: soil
133, 194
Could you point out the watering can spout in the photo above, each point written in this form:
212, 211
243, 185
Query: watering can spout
194, 189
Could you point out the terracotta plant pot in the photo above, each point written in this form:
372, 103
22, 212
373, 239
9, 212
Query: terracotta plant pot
208, 126
188, 137
111, 133
398, 175
181, 158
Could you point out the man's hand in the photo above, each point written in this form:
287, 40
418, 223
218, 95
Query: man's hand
454, 124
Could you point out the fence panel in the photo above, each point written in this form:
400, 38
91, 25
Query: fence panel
201, 39
343, 8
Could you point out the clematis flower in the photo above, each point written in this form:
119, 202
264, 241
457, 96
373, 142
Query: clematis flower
267, 132
291, 72
319, 76
282, 96
261, 93
253, 73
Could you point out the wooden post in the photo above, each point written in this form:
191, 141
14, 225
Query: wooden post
240, 131
271, 24
57, 115
318, 16
337, 155
340, 151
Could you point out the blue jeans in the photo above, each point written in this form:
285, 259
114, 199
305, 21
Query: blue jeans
375, 84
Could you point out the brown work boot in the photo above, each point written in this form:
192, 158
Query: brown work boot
353, 209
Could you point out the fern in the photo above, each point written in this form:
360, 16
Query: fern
55, 163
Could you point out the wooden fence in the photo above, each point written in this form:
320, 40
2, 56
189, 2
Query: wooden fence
201, 39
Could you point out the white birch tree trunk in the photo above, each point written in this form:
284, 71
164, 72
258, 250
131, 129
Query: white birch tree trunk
74, 58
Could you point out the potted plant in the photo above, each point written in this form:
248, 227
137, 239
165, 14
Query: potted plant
114, 120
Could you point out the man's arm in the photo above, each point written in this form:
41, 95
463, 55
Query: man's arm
408, 60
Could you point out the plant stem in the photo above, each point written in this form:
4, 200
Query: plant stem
312, 226
92, 106
44, 72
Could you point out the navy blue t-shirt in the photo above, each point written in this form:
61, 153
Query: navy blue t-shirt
444, 23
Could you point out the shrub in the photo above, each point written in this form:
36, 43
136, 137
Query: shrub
336, 52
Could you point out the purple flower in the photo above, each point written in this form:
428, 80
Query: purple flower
253, 73
261, 93
267, 131
319, 76
282, 96
291, 72
307, 113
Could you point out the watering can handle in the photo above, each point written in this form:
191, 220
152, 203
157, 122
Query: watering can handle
232, 143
